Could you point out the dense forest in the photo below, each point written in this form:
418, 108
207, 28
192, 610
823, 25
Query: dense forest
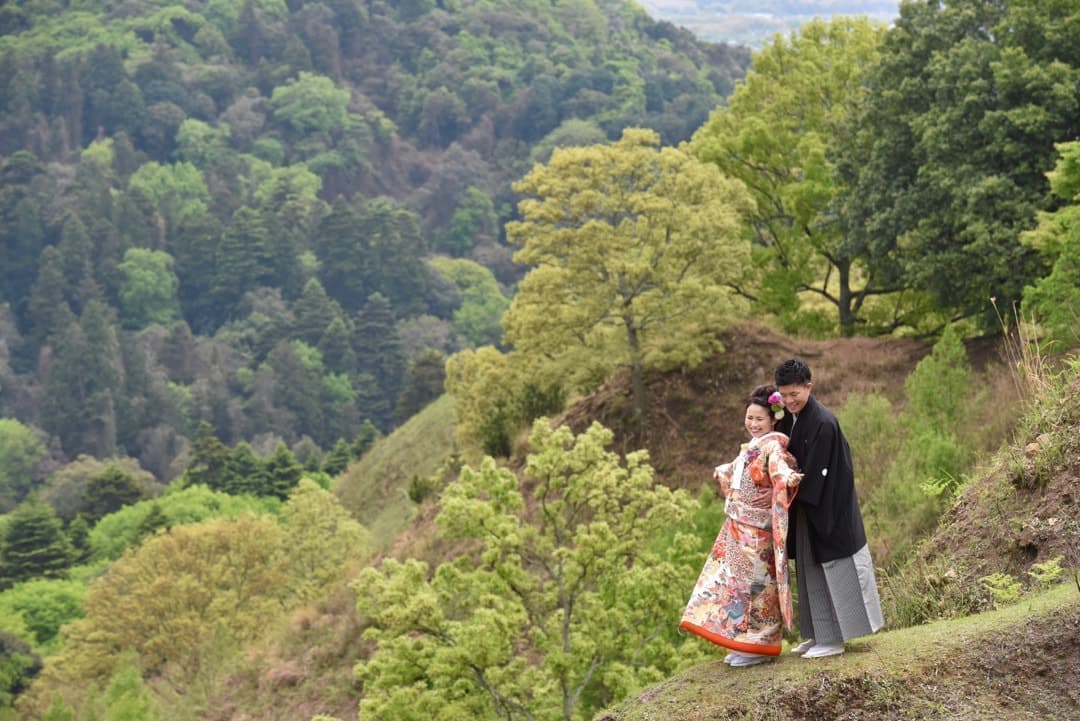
234, 209
243, 244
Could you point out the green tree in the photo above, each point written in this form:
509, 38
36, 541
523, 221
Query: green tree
311, 104
473, 219
33, 544
314, 312
633, 251
957, 135
44, 605
209, 460
478, 318
109, 491
283, 471
320, 538
18, 666
424, 382
1055, 298
777, 133
167, 598
49, 310
244, 259
339, 458
21, 448
126, 697
561, 612
379, 355
148, 288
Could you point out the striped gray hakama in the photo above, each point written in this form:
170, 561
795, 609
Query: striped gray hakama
838, 600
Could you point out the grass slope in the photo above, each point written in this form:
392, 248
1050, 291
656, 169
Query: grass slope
375, 488
1019, 662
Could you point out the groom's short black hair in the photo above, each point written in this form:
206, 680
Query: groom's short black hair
792, 372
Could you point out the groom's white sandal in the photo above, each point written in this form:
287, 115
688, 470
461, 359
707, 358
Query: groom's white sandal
823, 650
803, 647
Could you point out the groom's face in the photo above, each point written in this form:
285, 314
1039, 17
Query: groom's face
795, 396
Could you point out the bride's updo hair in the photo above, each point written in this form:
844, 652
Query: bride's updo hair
760, 396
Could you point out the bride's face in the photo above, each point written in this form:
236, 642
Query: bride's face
759, 420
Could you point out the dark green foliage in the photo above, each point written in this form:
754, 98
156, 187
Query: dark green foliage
283, 472
152, 521
18, 666
109, 491
338, 459
246, 473
34, 544
209, 460
365, 438
379, 356
78, 532
151, 132
424, 383
958, 136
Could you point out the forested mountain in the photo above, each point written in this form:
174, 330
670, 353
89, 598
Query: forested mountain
223, 212
244, 243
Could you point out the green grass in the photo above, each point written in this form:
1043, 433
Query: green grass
945, 670
375, 488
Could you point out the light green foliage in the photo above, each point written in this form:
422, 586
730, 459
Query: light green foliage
473, 219
44, 605
490, 390
566, 609
21, 447
1047, 573
775, 133
634, 249
320, 539
311, 104
200, 143
117, 531
148, 288
1055, 298
167, 599
478, 319
126, 698
179, 187
1003, 588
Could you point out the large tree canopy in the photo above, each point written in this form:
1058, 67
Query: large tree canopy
776, 133
634, 250
949, 167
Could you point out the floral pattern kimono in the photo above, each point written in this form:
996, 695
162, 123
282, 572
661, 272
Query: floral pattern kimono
742, 595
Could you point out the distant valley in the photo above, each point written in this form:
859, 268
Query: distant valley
754, 22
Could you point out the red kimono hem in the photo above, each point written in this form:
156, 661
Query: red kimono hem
728, 643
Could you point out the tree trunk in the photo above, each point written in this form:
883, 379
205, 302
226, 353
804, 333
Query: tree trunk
637, 376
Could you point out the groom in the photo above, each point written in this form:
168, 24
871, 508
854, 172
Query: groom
838, 598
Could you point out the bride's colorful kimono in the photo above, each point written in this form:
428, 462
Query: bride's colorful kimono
742, 595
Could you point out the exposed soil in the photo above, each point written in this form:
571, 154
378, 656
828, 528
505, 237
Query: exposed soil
694, 417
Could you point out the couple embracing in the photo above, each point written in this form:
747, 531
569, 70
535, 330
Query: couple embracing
790, 493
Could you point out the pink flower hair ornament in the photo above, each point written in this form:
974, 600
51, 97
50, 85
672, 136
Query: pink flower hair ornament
776, 405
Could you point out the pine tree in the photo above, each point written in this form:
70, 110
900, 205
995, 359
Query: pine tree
79, 535
365, 438
34, 544
314, 312
49, 310
338, 459
244, 259
109, 491
283, 471
246, 472
345, 272
336, 348
379, 355
209, 460
424, 382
